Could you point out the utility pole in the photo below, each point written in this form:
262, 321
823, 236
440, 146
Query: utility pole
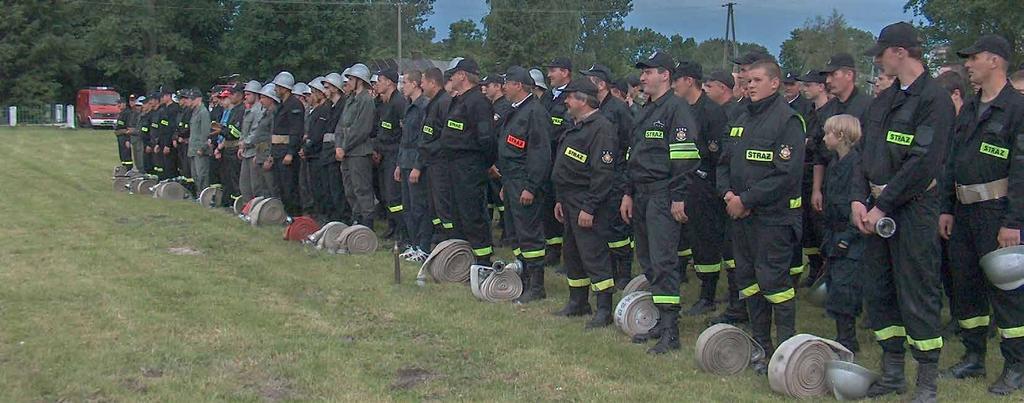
730, 36
399, 5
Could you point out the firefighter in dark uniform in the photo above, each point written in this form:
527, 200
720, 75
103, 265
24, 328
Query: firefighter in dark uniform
662, 158
435, 167
161, 125
337, 207
288, 125
149, 127
320, 122
559, 74
121, 133
492, 87
467, 136
390, 113
906, 133
759, 177
230, 131
619, 233
181, 136
524, 160
707, 234
795, 99
983, 189
584, 176
840, 76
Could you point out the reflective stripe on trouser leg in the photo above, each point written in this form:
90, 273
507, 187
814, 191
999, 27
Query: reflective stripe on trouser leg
471, 201
584, 250
526, 222
657, 237
972, 292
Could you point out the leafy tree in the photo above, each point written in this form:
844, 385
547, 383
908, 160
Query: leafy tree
957, 23
811, 45
40, 50
464, 39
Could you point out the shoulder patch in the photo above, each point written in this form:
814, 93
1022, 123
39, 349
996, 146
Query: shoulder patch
681, 133
785, 152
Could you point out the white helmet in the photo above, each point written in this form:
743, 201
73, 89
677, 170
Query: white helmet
317, 84
1004, 267
302, 89
374, 78
538, 78
268, 91
253, 86
359, 71
335, 79
284, 79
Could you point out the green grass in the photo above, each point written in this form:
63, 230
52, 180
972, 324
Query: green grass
94, 308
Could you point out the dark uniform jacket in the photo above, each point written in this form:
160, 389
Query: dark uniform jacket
232, 131
389, 119
412, 130
149, 123
433, 122
621, 118
841, 237
857, 104
289, 120
714, 127
469, 124
327, 145
987, 148
524, 146
664, 147
801, 105
126, 121
183, 132
560, 118
319, 123
584, 168
905, 142
502, 107
764, 164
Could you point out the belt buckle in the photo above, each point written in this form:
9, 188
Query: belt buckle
702, 174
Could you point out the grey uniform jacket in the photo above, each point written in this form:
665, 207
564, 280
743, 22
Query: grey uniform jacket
261, 131
199, 131
355, 126
249, 121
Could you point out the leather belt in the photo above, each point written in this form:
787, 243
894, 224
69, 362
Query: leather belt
636, 314
449, 262
724, 349
970, 194
797, 368
328, 138
876, 190
280, 139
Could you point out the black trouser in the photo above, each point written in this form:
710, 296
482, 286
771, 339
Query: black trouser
286, 179
657, 236
763, 247
184, 165
168, 162
527, 235
619, 237
440, 183
469, 197
149, 162
975, 234
707, 236
552, 228
494, 203
813, 230
417, 220
391, 191
159, 163
585, 250
124, 153
901, 281
308, 194
844, 287
335, 207
230, 169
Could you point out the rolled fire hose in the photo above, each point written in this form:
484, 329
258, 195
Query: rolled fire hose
211, 197
636, 313
120, 170
269, 211
797, 368
449, 262
248, 207
121, 183
170, 191
146, 187
239, 205
499, 283
328, 236
724, 349
300, 229
638, 283
358, 239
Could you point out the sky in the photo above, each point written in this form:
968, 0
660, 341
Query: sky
767, 22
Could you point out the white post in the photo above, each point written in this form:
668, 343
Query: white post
69, 116
12, 116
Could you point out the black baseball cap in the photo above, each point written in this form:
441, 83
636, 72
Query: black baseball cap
839, 61
600, 71
191, 93
994, 44
492, 79
900, 34
561, 63
752, 57
389, 73
622, 85
690, 69
657, 59
154, 96
723, 77
581, 85
790, 77
632, 80
812, 76
468, 65
519, 75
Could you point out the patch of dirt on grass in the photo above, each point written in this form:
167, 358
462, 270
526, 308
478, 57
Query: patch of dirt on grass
152, 372
184, 251
134, 385
274, 389
409, 377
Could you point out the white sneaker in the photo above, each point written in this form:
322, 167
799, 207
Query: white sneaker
408, 252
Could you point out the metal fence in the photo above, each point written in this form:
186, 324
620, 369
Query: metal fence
39, 115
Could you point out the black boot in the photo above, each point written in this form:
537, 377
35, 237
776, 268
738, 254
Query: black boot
971, 365
892, 380
846, 332
669, 339
535, 289
927, 389
785, 319
1009, 381
603, 317
578, 304
701, 307
619, 272
684, 274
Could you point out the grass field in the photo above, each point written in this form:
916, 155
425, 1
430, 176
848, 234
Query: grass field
93, 307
